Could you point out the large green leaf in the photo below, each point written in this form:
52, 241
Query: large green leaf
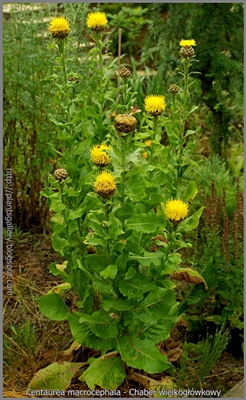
76, 214
59, 244
135, 286
190, 191
158, 332
135, 187
190, 223
53, 307
57, 376
101, 324
155, 307
142, 354
83, 334
109, 272
117, 304
148, 258
146, 223
108, 374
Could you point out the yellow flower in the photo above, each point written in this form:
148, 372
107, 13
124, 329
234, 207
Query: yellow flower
148, 142
187, 43
96, 21
145, 155
105, 185
59, 27
99, 156
176, 209
155, 104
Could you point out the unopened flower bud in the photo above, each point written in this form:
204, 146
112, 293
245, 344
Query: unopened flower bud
60, 174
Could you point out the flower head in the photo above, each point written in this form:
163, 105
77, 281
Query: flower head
155, 104
125, 123
125, 73
96, 21
105, 185
60, 174
59, 27
99, 155
187, 43
148, 142
174, 89
176, 209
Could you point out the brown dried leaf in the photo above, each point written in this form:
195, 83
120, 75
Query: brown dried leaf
67, 355
188, 275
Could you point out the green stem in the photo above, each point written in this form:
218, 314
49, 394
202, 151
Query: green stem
106, 207
170, 242
123, 175
155, 122
124, 94
64, 69
99, 43
182, 128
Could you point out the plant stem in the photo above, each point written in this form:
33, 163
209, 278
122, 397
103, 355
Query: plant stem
182, 128
155, 121
64, 69
119, 53
123, 174
106, 207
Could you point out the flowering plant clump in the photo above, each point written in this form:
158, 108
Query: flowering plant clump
99, 155
97, 21
176, 210
155, 105
115, 228
59, 28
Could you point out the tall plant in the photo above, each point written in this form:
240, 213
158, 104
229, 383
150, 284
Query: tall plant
121, 207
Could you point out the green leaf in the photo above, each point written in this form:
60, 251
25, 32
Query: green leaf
59, 244
101, 324
135, 286
142, 354
117, 304
159, 332
52, 119
76, 214
78, 330
57, 376
146, 223
148, 258
96, 262
63, 287
190, 191
190, 223
109, 272
156, 306
53, 307
108, 374
135, 187
189, 132
93, 239
82, 333
171, 263
57, 205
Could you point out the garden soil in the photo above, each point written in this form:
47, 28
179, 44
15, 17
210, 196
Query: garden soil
31, 279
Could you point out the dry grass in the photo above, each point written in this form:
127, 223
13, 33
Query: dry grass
30, 341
